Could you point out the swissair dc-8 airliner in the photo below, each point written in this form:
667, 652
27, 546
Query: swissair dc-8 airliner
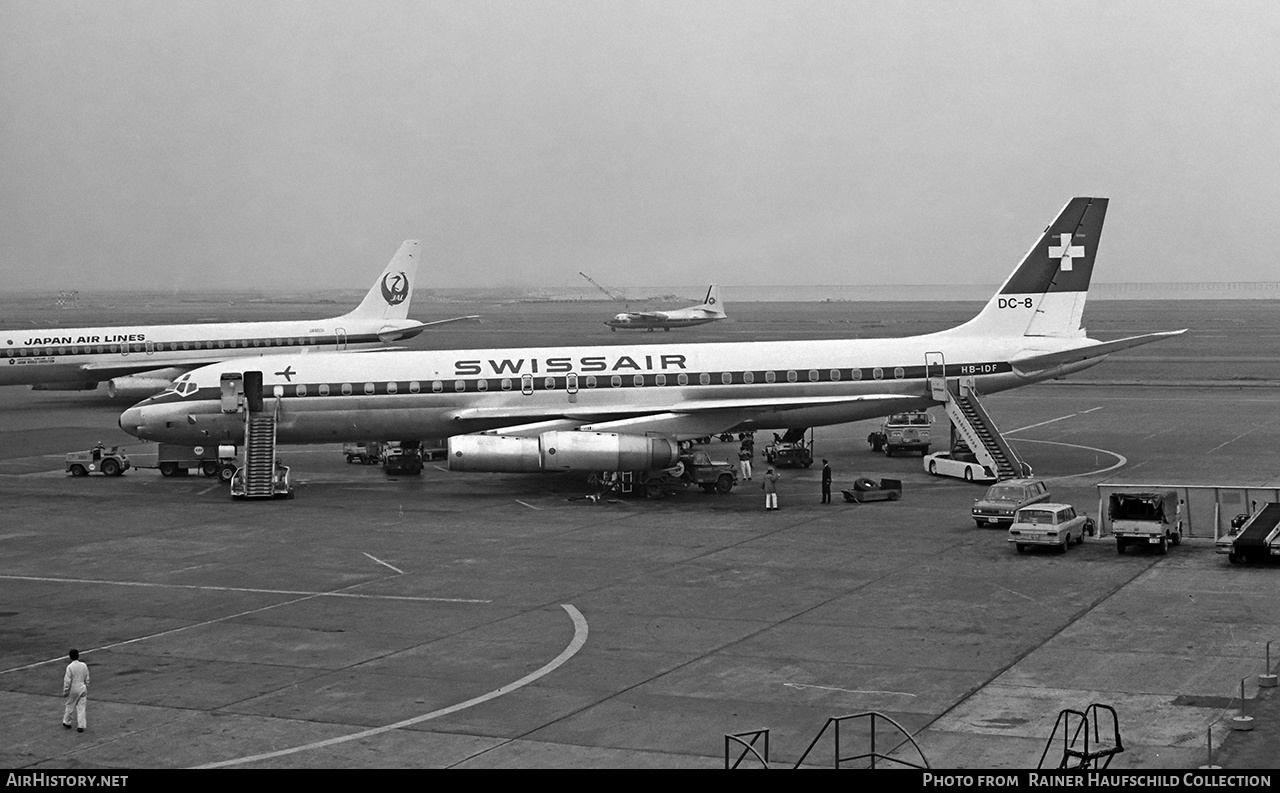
627, 407
137, 361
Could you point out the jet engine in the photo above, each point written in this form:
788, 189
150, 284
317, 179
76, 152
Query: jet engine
561, 451
138, 387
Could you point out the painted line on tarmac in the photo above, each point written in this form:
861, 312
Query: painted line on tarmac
250, 590
1233, 440
579, 639
530, 506
1050, 421
210, 488
1122, 459
303, 596
848, 690
384, 564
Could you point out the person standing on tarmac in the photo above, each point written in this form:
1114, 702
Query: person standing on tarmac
744, 461
770, 488
826, 482
75, 687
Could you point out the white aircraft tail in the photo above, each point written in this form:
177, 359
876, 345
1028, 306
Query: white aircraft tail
713, 303
390, 295
1045, 295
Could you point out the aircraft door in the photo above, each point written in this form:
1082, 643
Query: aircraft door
340, 335
526, 384
150, 347
935, 372
232, 389
253, 391
571, 386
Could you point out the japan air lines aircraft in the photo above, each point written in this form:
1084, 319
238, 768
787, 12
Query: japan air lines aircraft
140, 360
608, 408
710, 311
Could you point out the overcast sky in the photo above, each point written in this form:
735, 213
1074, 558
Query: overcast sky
159, 144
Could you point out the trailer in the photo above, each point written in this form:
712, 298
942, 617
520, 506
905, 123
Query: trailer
865, 490
175, 460
1255, 539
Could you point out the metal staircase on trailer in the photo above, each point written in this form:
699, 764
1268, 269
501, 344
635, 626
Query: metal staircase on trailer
978, 432
259, 453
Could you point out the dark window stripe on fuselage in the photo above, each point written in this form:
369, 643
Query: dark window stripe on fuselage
549, 383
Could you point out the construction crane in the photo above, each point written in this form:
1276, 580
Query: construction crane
611, 294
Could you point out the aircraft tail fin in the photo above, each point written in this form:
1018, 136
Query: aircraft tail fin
1045, 295
713, 303
389, 298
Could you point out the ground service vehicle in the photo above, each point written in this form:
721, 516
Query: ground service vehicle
1149, 518
100, 459
694, 467
1005, 498
403, 460
865, 490
365, 452
175, 460
1046, 523
1255, 538
903, 432
793, 450
960, 463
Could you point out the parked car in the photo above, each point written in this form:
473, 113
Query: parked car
1005, 498
960, 464
1046, 523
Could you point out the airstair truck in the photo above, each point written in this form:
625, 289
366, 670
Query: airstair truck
1147, 518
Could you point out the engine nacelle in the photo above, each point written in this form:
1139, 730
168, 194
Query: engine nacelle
561, 451
138, 387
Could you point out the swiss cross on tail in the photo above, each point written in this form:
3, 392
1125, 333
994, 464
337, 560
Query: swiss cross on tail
1062, 258
1065, 252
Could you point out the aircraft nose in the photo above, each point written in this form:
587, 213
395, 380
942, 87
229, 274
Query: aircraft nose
131, 421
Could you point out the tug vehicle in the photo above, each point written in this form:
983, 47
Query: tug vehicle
100, 459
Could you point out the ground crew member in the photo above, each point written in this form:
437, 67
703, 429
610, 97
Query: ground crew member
826, 482
770, 488
75, 687
744, 461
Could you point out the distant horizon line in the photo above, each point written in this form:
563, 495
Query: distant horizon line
594, 296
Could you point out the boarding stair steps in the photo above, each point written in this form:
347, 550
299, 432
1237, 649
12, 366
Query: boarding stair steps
259, 454
1088, 739
976, 429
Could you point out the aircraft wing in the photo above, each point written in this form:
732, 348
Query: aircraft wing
392, 333
683, 418
106, 371
1035, 362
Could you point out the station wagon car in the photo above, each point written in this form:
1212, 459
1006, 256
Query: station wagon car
1046, 523
1005, 498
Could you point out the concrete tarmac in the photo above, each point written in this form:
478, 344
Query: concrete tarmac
491, 621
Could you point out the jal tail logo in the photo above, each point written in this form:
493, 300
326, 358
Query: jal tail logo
395, 288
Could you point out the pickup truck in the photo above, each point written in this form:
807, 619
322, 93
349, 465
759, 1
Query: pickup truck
1147, 518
